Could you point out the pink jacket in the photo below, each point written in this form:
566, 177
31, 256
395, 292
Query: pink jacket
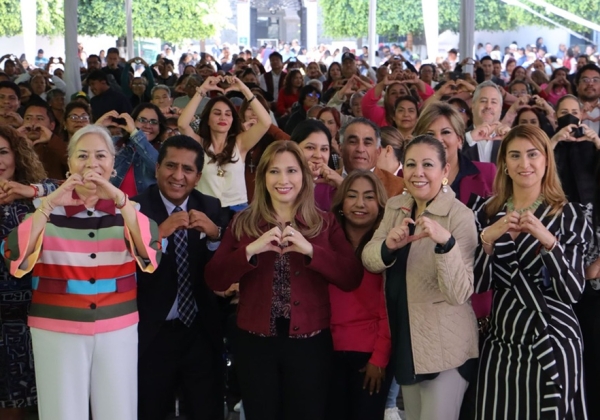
376, 113
359, 319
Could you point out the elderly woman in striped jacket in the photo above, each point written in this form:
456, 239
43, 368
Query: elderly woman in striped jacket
83, 244
531, 254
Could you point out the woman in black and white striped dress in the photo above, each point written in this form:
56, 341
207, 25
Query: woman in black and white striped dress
531, 254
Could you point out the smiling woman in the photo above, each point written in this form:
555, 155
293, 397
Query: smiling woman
532, 243
280, 250
83, 244
137, 151
425, 243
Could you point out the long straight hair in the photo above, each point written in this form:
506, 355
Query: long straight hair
554, 196
261, 208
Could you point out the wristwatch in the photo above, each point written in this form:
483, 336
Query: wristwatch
219, 234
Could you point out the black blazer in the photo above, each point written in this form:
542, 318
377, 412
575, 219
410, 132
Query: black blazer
473, 153
157, 291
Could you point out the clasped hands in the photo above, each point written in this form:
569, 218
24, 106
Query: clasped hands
193, 219
516, 222
212, 84
280, 242
399, 236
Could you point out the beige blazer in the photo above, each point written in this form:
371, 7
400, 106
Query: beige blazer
443, 326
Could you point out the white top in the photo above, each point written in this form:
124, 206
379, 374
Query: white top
263, 84
594, 125
484, 147
229, 188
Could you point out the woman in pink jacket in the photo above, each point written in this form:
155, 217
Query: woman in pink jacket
359, 322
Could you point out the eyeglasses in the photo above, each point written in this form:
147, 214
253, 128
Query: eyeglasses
461, 110
75, 117
314, 95
143, 120
172, 132
138, 84
588, 80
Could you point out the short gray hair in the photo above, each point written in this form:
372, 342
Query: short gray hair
87, 130
160, 87
363, 121
486, 84
316, 83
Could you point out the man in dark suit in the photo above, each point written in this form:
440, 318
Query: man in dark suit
180, 337
487, 110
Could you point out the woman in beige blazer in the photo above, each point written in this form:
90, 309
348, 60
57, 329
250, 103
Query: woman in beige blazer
425, 243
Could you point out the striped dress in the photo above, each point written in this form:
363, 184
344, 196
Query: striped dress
531, 361
84, 268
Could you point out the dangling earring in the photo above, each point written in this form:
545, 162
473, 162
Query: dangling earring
341, 212
506, 170
404, 191
445, 185
67, 174
113, 174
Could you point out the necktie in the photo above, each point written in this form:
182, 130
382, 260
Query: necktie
186, 305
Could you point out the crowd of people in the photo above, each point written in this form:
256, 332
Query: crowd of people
307, 238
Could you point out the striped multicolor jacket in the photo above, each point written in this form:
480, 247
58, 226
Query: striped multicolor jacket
84, 268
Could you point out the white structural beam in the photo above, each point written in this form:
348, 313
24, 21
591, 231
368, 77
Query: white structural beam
547, 19
129, 17
430, 20
373, 39
72, 73
566, 15
243, 24
28, 23
467, 31
312, 22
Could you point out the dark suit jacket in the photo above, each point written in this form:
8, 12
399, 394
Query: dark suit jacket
472, 153
576, 164
157, 291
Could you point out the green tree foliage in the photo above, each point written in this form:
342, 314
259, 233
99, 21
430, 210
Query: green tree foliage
172, 20
349, 18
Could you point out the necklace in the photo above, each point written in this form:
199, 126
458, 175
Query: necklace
220, 171
510, 207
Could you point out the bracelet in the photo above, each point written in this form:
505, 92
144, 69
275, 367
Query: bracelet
48, 203
251, 99
44, 213
122, 203
483, 239
35, 191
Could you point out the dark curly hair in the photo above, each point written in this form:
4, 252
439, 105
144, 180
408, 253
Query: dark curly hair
28, 167
287, 83
204, 132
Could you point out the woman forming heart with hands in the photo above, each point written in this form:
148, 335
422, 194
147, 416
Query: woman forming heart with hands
85, 242
425, 244
224, 139
536, 273
284, 253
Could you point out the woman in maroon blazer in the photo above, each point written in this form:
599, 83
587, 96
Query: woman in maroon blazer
284, 253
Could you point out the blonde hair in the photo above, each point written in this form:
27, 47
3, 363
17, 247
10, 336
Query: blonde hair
437, 110
552, 191
261, 208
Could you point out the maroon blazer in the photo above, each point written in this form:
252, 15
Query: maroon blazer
333, 262
481, 184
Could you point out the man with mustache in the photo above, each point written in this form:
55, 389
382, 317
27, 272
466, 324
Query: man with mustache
38, 127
